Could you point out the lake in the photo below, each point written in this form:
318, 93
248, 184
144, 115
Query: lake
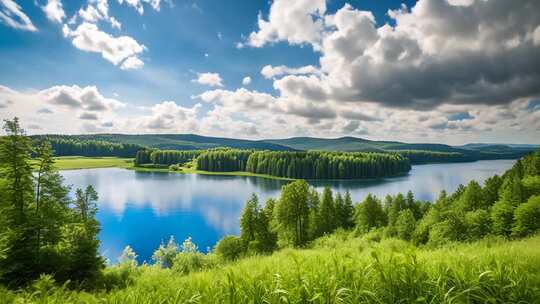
142, 209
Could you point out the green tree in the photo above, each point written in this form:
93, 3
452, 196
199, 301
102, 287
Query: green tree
18, 264
85, 203
369, 214
502, 217
348, 212
248, 219
292, 213
527, 217
478, 224
327, 213
405, 224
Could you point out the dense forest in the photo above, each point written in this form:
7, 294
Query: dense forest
308, 165
165, 157
67, 146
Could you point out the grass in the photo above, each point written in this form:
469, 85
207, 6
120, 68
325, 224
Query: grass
338, 269
79, 162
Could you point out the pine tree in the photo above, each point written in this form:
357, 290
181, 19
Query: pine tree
327, 212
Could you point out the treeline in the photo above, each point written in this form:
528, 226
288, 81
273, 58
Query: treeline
507, 205
165, 157
65, 146
422, 156
43, 230
306, 165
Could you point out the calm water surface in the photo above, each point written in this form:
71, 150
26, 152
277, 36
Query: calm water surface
142, 209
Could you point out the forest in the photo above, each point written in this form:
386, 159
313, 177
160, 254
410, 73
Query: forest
49, 251
309, 165
67, 146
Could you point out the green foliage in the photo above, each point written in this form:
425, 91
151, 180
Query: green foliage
369, 214
478, 224
292, 214
65, 145
230, 248
165, 254
502, 217
527, 217
405, 224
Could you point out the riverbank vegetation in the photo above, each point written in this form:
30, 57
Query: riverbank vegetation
475, 245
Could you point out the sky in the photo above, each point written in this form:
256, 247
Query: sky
447, 71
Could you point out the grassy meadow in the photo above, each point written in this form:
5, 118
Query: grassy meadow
339, 268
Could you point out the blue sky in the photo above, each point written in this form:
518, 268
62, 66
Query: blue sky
183, 39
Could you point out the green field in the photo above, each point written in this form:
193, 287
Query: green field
337, 269
78, 162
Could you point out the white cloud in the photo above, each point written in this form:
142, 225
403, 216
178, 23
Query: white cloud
54, 11
210, 79
12, 15
269, 71
97, 10
138, 4
297, 22
89, 38
246, 81
132, 63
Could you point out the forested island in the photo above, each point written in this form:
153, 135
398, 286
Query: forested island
477, 243
289, 164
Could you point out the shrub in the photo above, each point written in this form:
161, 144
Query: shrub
527, 217
165, 254
230, 247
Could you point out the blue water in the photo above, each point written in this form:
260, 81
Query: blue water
143, 209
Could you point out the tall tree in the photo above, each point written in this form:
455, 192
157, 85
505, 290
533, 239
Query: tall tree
19, 263
328, 212
248, 219
292, 213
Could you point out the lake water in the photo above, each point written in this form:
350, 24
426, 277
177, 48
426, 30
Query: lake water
142, 209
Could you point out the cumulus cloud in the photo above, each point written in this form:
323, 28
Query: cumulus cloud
98, 10
138, 4
438, 52
75, 97
270, 72
209, 79
12, 15
246, 81
54, 11
298, 22
87, 37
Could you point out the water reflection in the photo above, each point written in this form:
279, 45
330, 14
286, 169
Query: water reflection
143, 208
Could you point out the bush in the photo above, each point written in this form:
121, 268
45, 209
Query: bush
527, 217
165, 254
230, 247
188, 262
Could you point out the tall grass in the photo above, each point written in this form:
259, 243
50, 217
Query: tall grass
337, 269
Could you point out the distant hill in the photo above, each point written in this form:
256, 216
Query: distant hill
470, 151
174, 141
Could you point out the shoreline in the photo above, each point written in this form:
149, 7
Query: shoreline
65, 163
